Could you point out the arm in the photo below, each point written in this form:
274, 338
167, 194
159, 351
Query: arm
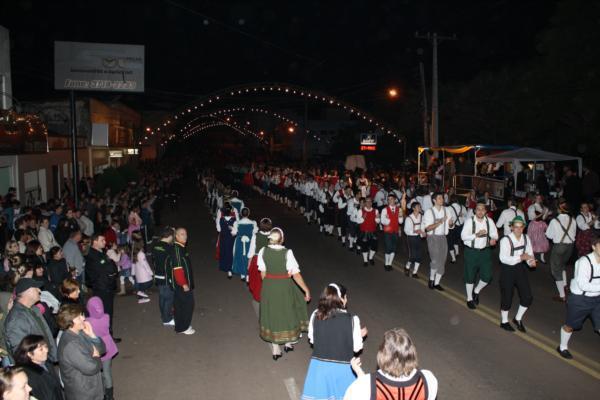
377, 219
300, 281
357, 335
581, 224
359, 217
583, 274
234, 229
80, 358
178, 270
262, 267
501, 219
550, 230
385, 220
467, 234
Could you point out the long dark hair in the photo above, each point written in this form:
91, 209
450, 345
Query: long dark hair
28, 345
330, 301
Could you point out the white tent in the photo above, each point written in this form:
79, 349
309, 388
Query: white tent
528, 154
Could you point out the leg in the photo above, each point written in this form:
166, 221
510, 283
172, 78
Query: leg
507, 284
107, 378
165, 303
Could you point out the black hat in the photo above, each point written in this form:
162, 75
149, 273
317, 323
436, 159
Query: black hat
27, 283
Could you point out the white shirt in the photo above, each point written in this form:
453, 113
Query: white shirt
46, 238
351, 207
506, 218
471, 240
587, 276
385, 219
458, 213
584, 222
359, 216
425, 201
431, 215
380, 198
360, 389
357, 340
556, 233
412, 224
515, 258
290, 261
531, 211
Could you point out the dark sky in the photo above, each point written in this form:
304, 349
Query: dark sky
353, 49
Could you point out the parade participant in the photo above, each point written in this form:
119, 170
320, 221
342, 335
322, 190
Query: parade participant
479, 234
489, 204
381, 199
225, 229
335, 335
330, 209
538, 207
516, 257
398, 377
354, 204
586, 223
584, 299
283, 314
368, 218
561, 231
258, 241
341, 199
243, 230
506, 216
391, 219
458, 212
180, 278
160, 255
437, 222
413, 228
236, 202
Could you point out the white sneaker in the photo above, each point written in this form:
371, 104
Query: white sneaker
189, 331
142, 294
170, 323
144, 300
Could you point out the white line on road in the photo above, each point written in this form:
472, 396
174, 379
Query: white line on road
292, 388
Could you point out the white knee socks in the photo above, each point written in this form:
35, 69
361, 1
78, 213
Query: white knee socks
452, 256
564, 338
520, 313
438, 278
480, 286
416, 268
560, 285
371, 254
407, 265
391, 258
365, 257
431, 275
456, 249
469, 289
504, 315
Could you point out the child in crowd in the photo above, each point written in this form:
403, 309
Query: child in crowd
141, 271
124, 265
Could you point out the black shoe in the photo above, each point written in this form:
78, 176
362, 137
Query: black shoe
229, 277
343, 244
350, 249
414, 275
476, 298
287, 349
388, 268
117, 339
507, 326
439, 287
372, 261
452, 261
365, 264
471, 304
564, 353
276, 357
431, 285
519, 325
407, 271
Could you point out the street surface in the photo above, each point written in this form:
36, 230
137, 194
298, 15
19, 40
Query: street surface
466, 350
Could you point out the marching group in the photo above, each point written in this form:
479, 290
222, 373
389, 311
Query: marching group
61, 269
355, 208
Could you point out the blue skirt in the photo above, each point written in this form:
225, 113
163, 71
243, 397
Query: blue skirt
327, 380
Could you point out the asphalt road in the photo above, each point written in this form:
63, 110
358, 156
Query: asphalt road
467, 351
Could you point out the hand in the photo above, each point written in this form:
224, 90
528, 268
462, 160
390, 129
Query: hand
532, 263
307, 296
357, 366
186, 288
525, 257
481, 233
88, 330
364, 331
493, 242
96, 353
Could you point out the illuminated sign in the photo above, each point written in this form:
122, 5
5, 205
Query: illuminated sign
368, 139
368, 148
115, 153
131, 151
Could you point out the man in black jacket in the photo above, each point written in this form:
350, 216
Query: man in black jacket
101, 276
160, 254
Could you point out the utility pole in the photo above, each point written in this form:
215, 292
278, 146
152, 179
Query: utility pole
424, 106
434, 38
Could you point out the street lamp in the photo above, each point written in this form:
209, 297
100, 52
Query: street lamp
291, 129
393, 93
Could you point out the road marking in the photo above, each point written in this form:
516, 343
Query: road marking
537, 339
292, 388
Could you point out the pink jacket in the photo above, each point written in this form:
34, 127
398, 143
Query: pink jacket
101, 324
141, 269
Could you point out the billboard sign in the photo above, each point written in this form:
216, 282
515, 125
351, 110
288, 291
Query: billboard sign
368, 142
98, 67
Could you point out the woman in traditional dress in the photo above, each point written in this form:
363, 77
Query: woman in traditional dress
225, 228
336, 336
259, 240
586, 223
283, 314
536, 231
243, 230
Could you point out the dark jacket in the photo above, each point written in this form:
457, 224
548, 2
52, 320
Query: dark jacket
179, 264
22, 321
80, 372
44, 382
100, 272
160, 255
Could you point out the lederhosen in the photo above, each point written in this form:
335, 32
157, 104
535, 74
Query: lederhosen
330, 209
341, 217
390, 231
415, 242
438, 246
561, 252
512, 276
478, 260
453, 237
580, 306
368, 230
383, 388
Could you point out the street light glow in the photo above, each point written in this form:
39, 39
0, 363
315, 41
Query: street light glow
393, 93
291, 129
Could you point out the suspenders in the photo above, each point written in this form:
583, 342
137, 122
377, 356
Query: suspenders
592, 276
414, 223
513, 248
455, 213
487, 235
565, 230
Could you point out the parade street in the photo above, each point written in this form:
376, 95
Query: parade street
470, 355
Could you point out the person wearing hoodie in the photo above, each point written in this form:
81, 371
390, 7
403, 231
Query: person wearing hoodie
100, 323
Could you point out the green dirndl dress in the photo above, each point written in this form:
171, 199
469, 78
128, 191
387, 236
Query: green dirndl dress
283, 311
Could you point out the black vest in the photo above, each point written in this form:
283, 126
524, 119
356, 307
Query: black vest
332, 338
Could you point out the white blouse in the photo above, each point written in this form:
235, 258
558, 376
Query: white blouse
357, 340
290, 261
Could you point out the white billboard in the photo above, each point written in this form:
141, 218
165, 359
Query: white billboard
98, 67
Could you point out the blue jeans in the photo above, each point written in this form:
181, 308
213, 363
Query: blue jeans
165, 302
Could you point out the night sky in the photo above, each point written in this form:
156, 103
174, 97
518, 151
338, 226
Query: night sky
352, 49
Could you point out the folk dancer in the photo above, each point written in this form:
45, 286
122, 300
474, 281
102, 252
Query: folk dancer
415, 233
340, 199
391, 219
587, 222
258, 241
538, 214
561, 231
368, 219
516, 257
506, 216
354, 205
437, 222
584, 299
243, 230
458, 212
235, 202
479, 235
225, 241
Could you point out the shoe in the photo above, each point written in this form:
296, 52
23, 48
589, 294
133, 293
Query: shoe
439, 287
407, 271
141, 294
365, 264
564, 353
388, 268
452, 261
170, 323
471, 304
372, 261
415, 275
559, 299
143, 300
276, 357
117, 339
229, 276
519, 325
189, 331
287, 349
507, 326
243, 278
476, 298
430, 285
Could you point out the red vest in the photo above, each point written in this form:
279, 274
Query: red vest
386, 389
369, 224
393, 226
